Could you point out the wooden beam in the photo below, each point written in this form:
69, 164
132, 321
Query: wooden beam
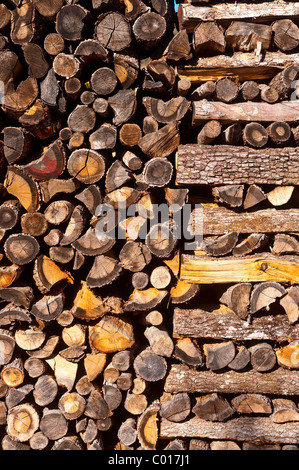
230, 164
280, 381
191, 15
204, 110
244, 66
237, 429
257, 268
225, 324
218, 220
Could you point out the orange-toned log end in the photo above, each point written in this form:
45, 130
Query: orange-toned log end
9, 274
147, 427
111, 334
87, 305
47, 274
23, 187
288, 356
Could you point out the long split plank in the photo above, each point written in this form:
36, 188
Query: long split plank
244, 66
284, 111
211, 219
280, 381
228, 164
238, 429
225, 324
190, 15
257, 268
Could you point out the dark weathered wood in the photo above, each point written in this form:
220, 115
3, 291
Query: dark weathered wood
217, 165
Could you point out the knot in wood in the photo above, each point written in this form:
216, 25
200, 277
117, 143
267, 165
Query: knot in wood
264, 267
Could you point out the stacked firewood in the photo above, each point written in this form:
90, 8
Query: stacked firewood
112, 334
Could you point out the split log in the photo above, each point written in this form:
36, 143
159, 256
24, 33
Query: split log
134, 256
126, 68
212, 408
290, 303
52, 187
255, 268
45, 390
254, 196
7, 343
183, 292
249, 244
269, 94
264, 295
208, 36
48, 308
230, 194
237, 298
23, 187
103, 272
47, 274
147, 427
111, 335
123, 105
252, 403
87, 304
287, 356
179, 47
187, 351
18, 143
23, 24
222, 245
161, 70
162, 142
145, 299
219, 355
159, 340
175, 408
286, 34
284, 411
280, 195
245, 36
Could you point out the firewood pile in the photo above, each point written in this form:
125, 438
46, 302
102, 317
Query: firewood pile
120, 330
